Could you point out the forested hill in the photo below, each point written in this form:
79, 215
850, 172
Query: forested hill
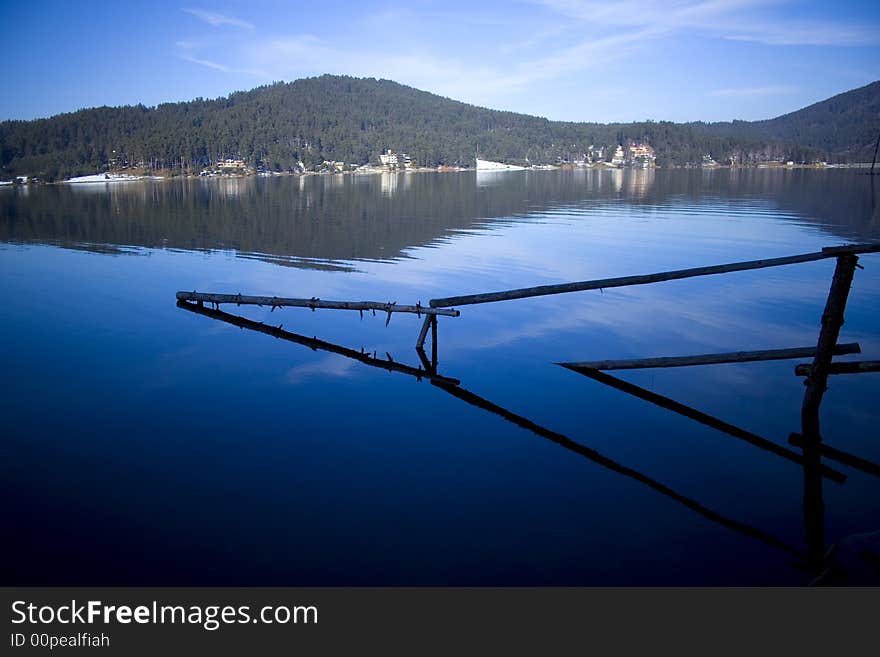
353, 120
843, 127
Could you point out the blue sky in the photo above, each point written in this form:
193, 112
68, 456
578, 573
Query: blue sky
579, 60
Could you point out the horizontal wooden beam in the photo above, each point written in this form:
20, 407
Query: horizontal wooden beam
624, 281
317, 345
709, 359
246, 300
705, 418
857, 367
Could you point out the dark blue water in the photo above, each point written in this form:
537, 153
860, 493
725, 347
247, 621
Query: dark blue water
145, 444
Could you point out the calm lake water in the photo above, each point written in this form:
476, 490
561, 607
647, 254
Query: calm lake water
145, 444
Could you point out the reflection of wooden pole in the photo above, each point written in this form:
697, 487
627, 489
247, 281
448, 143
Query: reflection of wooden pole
814, 508
614, 466
425, 362
710, 359
832, 320
315, 344
840, 456
704, 418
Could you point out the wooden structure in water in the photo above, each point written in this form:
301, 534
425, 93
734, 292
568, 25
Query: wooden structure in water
809, 440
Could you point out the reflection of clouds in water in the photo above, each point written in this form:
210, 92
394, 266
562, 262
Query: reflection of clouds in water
580, 247
329, 366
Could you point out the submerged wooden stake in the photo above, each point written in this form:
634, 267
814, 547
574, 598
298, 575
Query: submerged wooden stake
709, 359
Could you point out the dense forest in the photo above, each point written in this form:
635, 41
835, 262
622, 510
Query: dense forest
280, 126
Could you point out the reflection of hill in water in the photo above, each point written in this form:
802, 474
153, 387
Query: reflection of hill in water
309, 221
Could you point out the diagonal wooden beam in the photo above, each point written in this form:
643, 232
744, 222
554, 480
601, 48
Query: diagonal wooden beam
659, 277
840, 456
614, 466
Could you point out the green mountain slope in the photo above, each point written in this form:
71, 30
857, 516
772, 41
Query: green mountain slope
842, 127
353, 120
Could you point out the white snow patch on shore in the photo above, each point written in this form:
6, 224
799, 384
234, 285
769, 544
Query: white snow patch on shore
104, 178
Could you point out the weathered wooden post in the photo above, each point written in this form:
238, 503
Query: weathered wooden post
423, 333
816, 384
832, 319
434, 342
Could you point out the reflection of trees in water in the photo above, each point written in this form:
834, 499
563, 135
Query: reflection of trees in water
375, 217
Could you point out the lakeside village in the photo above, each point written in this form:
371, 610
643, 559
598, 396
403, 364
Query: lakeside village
634, 156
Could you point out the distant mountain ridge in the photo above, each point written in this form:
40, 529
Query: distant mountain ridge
843, 126
353, 120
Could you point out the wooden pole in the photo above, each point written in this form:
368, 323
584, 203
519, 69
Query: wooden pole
242, 300
434, 342
315, 344
709, 359
832, 320
420, 342
857, 367
624, 281
704, 418
816, 384
605, 462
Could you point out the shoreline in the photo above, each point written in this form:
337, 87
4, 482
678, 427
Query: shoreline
114, 178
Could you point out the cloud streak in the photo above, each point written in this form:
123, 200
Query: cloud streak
215, 19
222, 67
516, 63
742, 20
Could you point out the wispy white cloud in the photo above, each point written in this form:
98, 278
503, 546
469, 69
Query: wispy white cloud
802, 33
223, 67
767, 90
218, 20
745, 20
307, 54
516, 54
